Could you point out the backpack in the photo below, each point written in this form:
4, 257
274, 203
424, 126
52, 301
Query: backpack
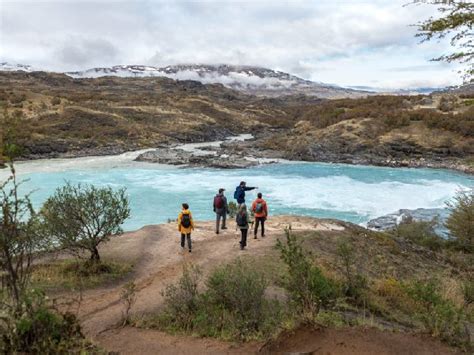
241, 219
186, 220
259, 207
219, 201
238, 191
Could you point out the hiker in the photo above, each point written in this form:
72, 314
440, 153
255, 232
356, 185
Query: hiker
260, 210
185, 225
239, 193
221, 208
242, 220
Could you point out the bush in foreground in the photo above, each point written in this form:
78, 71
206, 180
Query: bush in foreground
309, 289
440, 316
36, 327
232, 307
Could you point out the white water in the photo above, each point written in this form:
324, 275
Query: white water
353, 193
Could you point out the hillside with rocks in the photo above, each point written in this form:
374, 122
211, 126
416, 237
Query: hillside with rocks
56, 115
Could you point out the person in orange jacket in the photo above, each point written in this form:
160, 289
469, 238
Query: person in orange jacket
260, 210
185, 225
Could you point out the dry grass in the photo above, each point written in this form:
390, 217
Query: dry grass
76, 275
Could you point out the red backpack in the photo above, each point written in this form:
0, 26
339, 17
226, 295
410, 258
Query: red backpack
219, 201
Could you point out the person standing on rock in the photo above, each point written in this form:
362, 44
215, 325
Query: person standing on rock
242, 219
221, 208
185, 225
260, 211
239, 193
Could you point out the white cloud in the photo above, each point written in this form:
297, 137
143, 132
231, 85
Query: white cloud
343, 42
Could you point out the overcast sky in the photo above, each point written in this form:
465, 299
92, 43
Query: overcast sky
348, 42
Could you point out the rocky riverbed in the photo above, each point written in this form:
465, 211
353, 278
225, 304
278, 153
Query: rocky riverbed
232, 153
392, 220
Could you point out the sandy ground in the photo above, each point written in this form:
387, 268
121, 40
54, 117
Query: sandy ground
158, 261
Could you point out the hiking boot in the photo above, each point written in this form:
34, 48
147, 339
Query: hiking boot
254, 237
224, 228
189, 250
217, 232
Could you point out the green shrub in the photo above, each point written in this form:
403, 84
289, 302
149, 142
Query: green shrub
233, 307
38, 328
421, 233
232, 209
468, 292
181, 301
237, 292
128, 297
81, 217
355, 283
461, 220
440, 316
307, 286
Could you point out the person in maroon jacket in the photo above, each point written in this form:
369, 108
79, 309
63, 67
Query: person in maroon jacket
221, 208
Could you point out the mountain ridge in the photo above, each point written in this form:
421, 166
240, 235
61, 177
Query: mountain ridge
253, 80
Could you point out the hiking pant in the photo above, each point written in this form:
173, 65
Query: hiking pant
259, 220
243, 239
188, 237
220, 215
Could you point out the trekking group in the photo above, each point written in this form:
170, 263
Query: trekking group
259, 210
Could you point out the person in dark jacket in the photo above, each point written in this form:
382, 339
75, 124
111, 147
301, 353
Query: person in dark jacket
221, 208
242, 220
239, 193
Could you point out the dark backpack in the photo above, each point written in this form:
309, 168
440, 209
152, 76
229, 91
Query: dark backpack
239, 193
259, 207
241, 219
219, 202
186, 220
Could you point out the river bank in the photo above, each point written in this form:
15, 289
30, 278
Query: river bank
246, 150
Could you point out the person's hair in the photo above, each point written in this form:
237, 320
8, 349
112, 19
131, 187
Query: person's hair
185, 206
243, 207
221, 190
242, 183
259, 195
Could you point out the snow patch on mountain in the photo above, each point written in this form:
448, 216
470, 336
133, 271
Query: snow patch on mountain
248, 79
5, 66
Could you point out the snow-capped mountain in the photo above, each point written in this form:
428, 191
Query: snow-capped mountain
5, 66
248, 79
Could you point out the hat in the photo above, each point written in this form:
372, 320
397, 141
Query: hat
221, 190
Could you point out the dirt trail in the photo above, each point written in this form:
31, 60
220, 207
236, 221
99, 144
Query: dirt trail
159, 260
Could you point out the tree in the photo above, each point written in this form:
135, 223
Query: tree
82, 217
461, 220
456, 23
20, 238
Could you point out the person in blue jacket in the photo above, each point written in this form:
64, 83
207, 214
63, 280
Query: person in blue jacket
239, 193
